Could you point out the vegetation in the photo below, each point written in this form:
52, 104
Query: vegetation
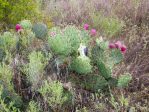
14, 11
77, 55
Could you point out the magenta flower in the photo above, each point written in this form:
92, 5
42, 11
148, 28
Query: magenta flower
52, 34
123, 49
112, 46
118, 45
86, 27
93, 32
18, 27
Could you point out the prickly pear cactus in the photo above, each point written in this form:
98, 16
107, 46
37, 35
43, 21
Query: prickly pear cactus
72, 33
81, 65
40, 30
124, 80
26, 24
100, 58
105, 59
97, 54
104, 69
116, 56
60, 45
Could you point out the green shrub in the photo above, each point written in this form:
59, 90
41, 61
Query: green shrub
25, 41
35, 68
8, 96
6, 76
54, 94
13, 11
95, 82
33, 107
7, 41
2, 55
110, 26
6, 107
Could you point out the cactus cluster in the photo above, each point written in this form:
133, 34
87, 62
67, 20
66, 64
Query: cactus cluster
72, 42
105, 59
81, 65
40, 30
66, 41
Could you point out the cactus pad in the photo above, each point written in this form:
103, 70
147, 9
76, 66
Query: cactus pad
124, 80
81, 65
40, 30
26, 24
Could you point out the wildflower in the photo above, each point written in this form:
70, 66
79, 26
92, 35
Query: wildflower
52, 34
123, 49
18, 27
118, 45
86, 27
112, 46
93, 32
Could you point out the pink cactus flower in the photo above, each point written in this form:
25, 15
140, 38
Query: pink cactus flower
86, 27
93, 32
123, 49
118, 45
112, 46
18, 27
52, 34
20, 31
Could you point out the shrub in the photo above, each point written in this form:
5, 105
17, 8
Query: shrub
35, 68
24, 41
33, 107
7, 41
8, 98
6, 107
95, 82
14, 11
6, 76
110, 26
54, 94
